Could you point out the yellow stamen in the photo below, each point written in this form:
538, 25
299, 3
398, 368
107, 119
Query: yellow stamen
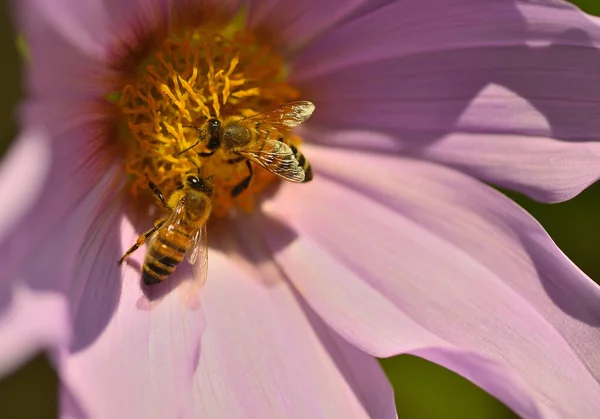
190, 77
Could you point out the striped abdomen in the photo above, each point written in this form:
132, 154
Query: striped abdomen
303, 163
165, 251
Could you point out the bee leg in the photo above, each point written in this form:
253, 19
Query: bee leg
235, 161
157, 192
142, 239
241, 187
200, 138
207, 154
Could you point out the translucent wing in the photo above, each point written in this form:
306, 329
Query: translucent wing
169, 226
197, 255
196, 249
277, 157
282, 119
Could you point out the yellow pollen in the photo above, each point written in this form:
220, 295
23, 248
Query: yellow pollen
190, 77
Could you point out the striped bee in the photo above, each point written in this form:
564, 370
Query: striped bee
181, 234
260, 139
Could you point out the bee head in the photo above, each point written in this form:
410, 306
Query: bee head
197, 183
214, 129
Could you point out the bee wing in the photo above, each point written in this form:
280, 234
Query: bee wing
277, 157
169, 225
197, 255
285, 117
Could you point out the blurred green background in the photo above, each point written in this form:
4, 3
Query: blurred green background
423, 389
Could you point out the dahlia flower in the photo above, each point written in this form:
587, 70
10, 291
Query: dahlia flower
396, 246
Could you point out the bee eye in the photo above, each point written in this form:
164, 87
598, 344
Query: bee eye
193, 180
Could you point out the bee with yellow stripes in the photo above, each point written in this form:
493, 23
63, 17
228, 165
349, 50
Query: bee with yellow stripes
260, 139
182, 234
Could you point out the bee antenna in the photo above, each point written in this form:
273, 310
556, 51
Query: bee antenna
200, 138
197, 167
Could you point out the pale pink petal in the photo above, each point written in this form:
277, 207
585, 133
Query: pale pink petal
247, 348
365, 8
138, 353
34, 310
83, 25
93, 27
210, 9
544, 168
479, 85
84, 35
408, 29
40, 233
30, 322
295, 23
264, 354
32, 318
132, 15
369, 319
66, 70
29, 159
469, 270
77, 169
132, 18
85, 29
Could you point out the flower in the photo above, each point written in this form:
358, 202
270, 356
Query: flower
395, 247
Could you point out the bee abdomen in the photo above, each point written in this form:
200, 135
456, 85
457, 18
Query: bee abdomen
174, 243
161, 261
308, 174
303, 163
153, 274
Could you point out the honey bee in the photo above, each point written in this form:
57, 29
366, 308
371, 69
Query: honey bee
260, 139
181, 234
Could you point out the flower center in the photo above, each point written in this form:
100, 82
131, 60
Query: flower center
189, 78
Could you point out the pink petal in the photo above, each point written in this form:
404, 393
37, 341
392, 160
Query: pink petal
129, 16
546, 169
66, 54
132, 19
405, 29
264, 354
247, 349
23, 331
40, 233
84, 26
61, 161
29, 158
129, 356
34, 311
482, 288
295, 23
478, 85
30, 321
70, 41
